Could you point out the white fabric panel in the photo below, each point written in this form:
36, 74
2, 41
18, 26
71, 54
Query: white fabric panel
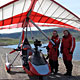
65, 14
59, 19
74, 24
44, 7
70, 17
75, 18
18, 7
27, 5
64, 21
7, 11
78, 25
3, 2
0, 14
36, 6
69, 22
41, 9
58, 12
55, 11
50, 10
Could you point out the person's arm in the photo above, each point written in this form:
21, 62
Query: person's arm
47, 49
57, 43
72, 45
61, 48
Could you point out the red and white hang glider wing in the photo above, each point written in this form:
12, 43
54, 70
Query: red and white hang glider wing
44, 13
13, 13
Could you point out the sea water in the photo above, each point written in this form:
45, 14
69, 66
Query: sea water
76, 54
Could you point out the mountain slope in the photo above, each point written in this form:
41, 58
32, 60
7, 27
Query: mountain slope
38, 35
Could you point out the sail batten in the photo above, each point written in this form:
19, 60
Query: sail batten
45, 12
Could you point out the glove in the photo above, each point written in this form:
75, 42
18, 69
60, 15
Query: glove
53, 45
70, 52
47, 57
47, 49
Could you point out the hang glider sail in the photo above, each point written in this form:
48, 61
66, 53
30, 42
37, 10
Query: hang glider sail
43, 13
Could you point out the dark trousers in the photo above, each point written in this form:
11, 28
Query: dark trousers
24, 57
54, 65
69, 66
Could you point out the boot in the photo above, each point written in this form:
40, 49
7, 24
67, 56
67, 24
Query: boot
68, 74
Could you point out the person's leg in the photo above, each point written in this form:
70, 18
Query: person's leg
70, 66
66, 65
51, 64
56, 66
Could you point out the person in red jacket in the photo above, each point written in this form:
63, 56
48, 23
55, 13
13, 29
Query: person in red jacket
67, 49
53, 52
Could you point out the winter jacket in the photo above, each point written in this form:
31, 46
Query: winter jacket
67, 47
53, 49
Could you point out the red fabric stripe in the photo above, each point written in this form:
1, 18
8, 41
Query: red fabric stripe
16, 19
38, 16
33, 2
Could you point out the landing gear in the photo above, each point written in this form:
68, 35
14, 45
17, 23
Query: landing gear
8, 68
7, 65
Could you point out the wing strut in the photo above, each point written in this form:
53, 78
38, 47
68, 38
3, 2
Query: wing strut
31, 33
20, 38
42, 32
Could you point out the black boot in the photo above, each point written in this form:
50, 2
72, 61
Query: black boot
68, 74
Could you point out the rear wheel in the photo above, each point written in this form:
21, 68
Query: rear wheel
43, 78
38, 77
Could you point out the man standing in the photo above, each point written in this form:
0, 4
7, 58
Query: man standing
53, 52
67, 49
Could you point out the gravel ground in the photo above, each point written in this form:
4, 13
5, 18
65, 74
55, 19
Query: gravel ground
19, 73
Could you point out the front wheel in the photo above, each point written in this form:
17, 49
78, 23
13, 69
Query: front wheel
8, 68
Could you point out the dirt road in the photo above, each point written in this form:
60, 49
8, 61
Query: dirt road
19, 73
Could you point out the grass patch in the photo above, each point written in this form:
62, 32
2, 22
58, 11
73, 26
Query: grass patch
8, 41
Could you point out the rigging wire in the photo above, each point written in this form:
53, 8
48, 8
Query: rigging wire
58, 16
12, 14
51, 15
45, 12
68, 21
2, 18
38, 9
22, 12
31, 33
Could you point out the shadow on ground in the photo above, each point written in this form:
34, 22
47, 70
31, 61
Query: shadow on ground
62, 77
58, 76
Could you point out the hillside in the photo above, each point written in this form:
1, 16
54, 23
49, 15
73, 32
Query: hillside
38, 35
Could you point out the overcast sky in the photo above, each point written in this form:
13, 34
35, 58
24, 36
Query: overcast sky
72, 5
